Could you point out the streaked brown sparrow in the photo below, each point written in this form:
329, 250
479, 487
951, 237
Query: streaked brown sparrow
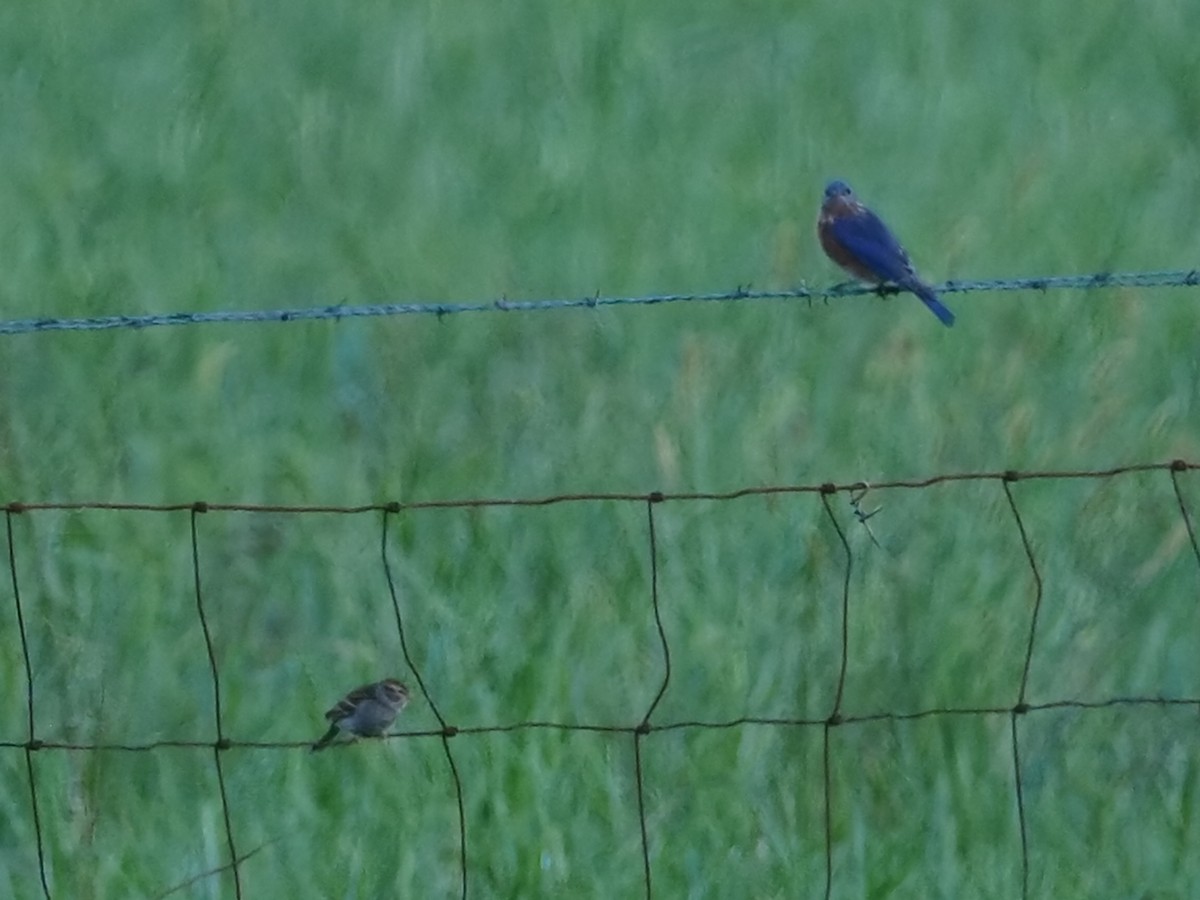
366, 711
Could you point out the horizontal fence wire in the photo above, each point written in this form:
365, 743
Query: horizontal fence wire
637, 732
1092, 281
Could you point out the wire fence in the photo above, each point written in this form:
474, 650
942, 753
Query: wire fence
637, 732
1091, 281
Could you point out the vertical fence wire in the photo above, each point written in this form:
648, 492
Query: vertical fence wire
222, 743
31, 743
652, 538
835, 715
1177, 467
644, 728
447, 730
1022, 704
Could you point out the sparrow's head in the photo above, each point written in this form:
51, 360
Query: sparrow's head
394, 692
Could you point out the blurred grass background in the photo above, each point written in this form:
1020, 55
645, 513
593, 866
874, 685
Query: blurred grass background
170, 156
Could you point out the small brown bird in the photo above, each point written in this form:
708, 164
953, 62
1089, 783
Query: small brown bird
366, 711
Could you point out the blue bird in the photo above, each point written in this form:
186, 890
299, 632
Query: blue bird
858, 241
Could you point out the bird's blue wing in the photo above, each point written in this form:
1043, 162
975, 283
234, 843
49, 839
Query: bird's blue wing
870, 241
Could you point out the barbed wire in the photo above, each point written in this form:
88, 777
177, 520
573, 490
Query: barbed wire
337, 311
638, 731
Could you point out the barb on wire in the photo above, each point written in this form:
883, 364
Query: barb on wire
338, 311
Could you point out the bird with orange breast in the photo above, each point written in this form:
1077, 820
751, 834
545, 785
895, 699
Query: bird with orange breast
858, 241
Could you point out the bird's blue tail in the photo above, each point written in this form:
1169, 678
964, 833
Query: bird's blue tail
930, 299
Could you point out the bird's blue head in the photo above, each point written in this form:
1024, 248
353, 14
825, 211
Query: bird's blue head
837, 188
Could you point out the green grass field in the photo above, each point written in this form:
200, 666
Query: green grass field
170, 156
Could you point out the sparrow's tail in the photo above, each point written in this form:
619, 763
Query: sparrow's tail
326, 739
930, 299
